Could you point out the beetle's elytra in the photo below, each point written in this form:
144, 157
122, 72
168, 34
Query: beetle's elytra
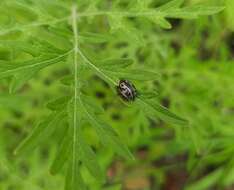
126, 90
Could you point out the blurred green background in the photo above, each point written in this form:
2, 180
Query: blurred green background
195, 59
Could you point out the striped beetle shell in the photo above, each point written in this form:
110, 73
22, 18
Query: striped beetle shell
126, 90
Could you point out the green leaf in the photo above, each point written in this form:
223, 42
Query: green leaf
20, 13
162, 22
193, 12
21, 46
89, 37
59, 103
206, 182
91, 104
134, 74
67, 80
46, 47
147, 95
115, 22
203, 10
154, 109
40, 133
89, 159
74, 180
113, 64
14, 102
21, 78
170, 5
63, 154
107, 135
8, 69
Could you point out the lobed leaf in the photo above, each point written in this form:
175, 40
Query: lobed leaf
20, 78
91, 104
147, 95
113, 64
134, 74
40, 133
63, 154
59, 103
107, 135
162, 22
34, 65
193, 12
89, 159
74, 180
154, 109
170, 5
89, 37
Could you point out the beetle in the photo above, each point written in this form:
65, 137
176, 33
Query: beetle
126, 90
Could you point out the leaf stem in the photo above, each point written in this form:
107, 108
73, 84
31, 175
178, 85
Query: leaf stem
121, 13
86, 60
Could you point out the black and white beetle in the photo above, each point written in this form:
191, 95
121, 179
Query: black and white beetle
126, 90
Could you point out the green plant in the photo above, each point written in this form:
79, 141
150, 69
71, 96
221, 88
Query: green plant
43, 33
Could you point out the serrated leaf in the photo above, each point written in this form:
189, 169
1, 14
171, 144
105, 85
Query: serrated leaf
21, 13
134, 74
35, 64
59, 103
21, 78
89, 159
203, 10
154, 109
62, 154
46, 47
89, 37
147, 95
91, 104
74, 180
133, 33
162, 22
107, 135
113, 64
67, 80
193, 12
170, 5
21, 46
40, 133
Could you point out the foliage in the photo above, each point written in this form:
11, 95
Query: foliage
38, 34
